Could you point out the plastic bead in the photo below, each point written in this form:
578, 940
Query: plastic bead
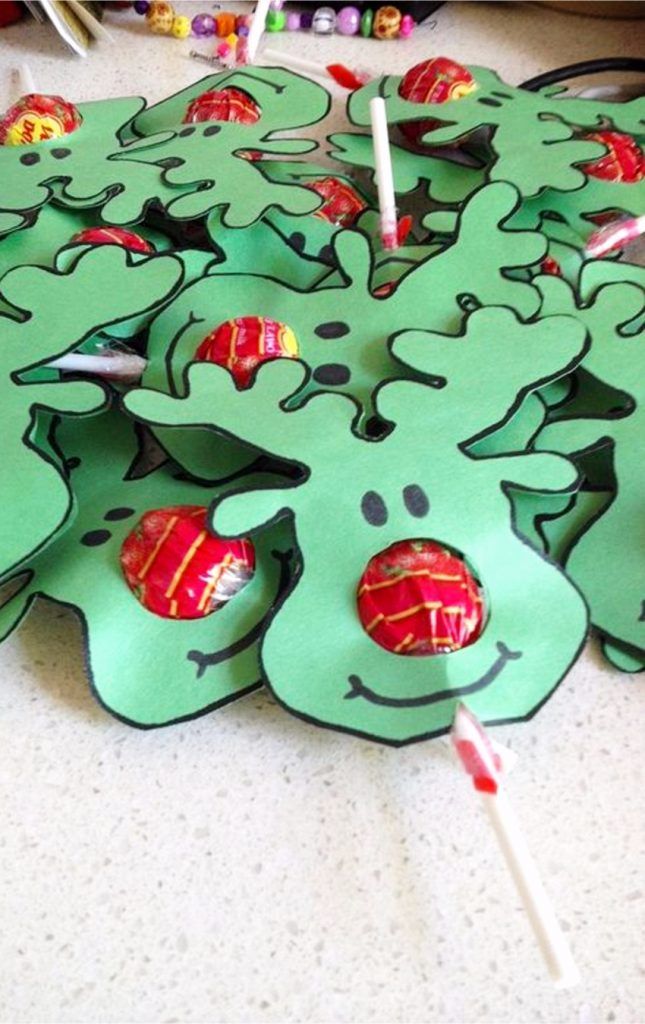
181, 27
141, 6
366, 23
242, 344
276, 20
225, 24
177, 569
419, 598
160, 17
406, 27
36, 118
387, 22
223, 49
203, 25
306, 20
324, 21
349, 21
293, 21
243, 21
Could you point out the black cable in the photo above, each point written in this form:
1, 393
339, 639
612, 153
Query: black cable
585, 67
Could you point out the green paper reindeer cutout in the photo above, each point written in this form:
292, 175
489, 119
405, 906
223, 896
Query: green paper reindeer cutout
145, 669
342, 328
52, 314
534, 135
316, 657
124, 158
607, 560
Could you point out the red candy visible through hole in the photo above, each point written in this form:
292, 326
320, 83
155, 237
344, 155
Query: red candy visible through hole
623, 161
342, 203
430, 82
419, 598
114, 236
36, 118
223, 105
177, 569
549, 265
245, 342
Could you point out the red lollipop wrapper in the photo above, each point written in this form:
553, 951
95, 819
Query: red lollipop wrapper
418, 598
243, 343
223, 105
177, 569
623, 161
36, 118
433, 81
342, 203
114, 236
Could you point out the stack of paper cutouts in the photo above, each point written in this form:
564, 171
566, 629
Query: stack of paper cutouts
374, 481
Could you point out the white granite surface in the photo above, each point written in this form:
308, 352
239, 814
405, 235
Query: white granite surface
247, 867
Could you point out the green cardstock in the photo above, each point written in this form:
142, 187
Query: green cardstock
145, 669
608, 560
622, 659
54, 313
103, 164
447, 180
342, 330
533, 134
316, 656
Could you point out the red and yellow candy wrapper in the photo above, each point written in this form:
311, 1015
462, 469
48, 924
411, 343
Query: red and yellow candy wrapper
342, 203
177, 569
418, 598
243, 343
114, 236
623, 161
433, 81
223, 105
36, 118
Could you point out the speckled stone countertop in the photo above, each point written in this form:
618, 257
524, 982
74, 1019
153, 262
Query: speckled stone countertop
248, 867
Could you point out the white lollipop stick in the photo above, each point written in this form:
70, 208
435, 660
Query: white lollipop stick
288, 60
122, 366
256, 29
478, 757
22, 82
384, 176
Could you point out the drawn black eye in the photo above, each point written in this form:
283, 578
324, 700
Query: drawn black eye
185, 132
29, 158
297, 240
374, 509
60, 153
332, 373
212, 129
93, 538
488, 102
416, 501
332, 329
122, 512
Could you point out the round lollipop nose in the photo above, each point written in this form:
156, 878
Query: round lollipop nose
418, 597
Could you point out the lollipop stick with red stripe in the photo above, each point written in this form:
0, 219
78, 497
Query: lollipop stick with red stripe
478, 757
384, 175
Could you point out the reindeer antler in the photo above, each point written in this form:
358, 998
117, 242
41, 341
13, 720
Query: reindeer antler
495, 361
255, 416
